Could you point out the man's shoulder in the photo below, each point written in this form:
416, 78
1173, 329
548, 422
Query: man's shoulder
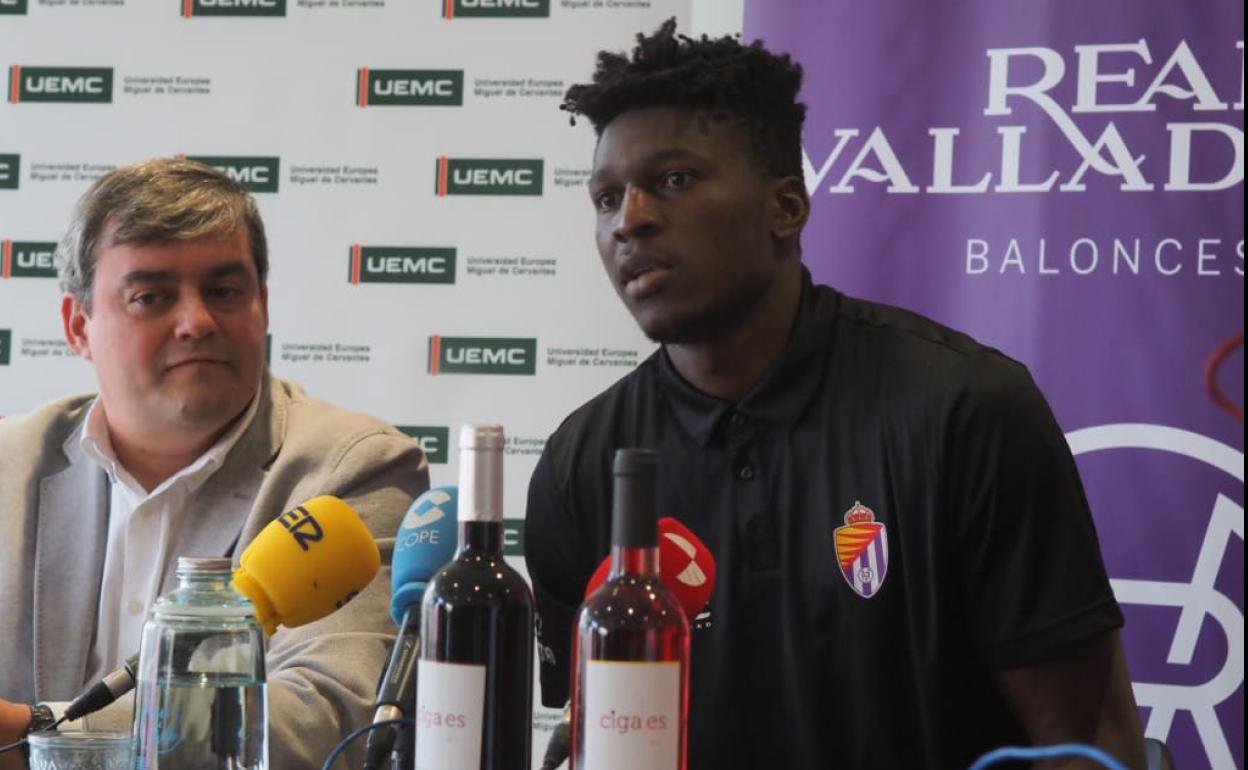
914, 362
321, 448
879, 321
31, 443
49, 424
313, 423
895, 339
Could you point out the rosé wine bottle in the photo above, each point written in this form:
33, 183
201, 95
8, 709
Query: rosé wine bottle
630, 687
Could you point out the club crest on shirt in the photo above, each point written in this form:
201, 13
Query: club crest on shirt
862, 550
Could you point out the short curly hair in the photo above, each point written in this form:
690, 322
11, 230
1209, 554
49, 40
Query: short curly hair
739, 82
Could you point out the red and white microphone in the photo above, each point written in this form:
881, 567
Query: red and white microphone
685, 565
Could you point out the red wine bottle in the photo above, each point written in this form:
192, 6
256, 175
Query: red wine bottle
630, 686
474, 692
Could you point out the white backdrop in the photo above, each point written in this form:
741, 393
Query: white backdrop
369, 262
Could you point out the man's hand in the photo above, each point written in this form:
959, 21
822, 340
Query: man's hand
14, 719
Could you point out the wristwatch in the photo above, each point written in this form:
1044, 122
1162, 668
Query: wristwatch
41, 718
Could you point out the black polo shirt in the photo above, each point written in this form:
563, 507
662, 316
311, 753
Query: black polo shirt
894, 515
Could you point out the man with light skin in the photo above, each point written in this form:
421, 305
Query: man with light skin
190, 448
967, 608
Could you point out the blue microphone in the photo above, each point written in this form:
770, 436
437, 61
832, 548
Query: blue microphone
425, 542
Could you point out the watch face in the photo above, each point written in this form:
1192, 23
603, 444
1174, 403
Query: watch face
41, 718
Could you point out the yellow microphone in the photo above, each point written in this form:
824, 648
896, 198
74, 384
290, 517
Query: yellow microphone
307, 563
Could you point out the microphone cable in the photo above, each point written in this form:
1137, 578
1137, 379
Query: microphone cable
345, 742
1056, 751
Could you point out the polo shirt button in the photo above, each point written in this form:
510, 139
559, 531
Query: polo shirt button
135, 607
746, 472
737, 420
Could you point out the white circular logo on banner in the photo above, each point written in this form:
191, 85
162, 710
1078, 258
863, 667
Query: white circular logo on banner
1195, 599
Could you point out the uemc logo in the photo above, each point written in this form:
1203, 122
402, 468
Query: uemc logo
233, 8
482, 355
513, 537
253, 174
6, 344
60, 84
10, 171
27, 259
434, 440
494, 8
12, 6
487, 176
401, 264
429, 88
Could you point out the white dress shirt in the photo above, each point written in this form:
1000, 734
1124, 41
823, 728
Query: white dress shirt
141, 526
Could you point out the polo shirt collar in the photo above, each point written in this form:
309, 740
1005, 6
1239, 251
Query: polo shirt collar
783, 394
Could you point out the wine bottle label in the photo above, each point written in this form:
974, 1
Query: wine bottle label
450, 708
632, 715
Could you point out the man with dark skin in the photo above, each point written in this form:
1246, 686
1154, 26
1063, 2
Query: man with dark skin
979, 640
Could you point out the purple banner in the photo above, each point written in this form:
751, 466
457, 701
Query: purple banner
1066, 182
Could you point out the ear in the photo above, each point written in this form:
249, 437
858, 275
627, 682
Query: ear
74, 318
789, 207
264, 302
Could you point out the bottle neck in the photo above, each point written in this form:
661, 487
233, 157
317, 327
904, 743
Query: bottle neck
203, 581
481, 536
634, 521
481, 473
634, 561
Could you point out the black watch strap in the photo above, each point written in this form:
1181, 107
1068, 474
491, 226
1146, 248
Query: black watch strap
41, 718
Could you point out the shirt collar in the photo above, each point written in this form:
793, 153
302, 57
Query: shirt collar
783, 393
96, 443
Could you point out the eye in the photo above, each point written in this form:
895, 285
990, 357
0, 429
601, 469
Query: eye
147, 299
223, 292
677, 180
607, 200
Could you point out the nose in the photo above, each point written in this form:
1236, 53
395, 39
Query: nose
195, 319
638, 216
